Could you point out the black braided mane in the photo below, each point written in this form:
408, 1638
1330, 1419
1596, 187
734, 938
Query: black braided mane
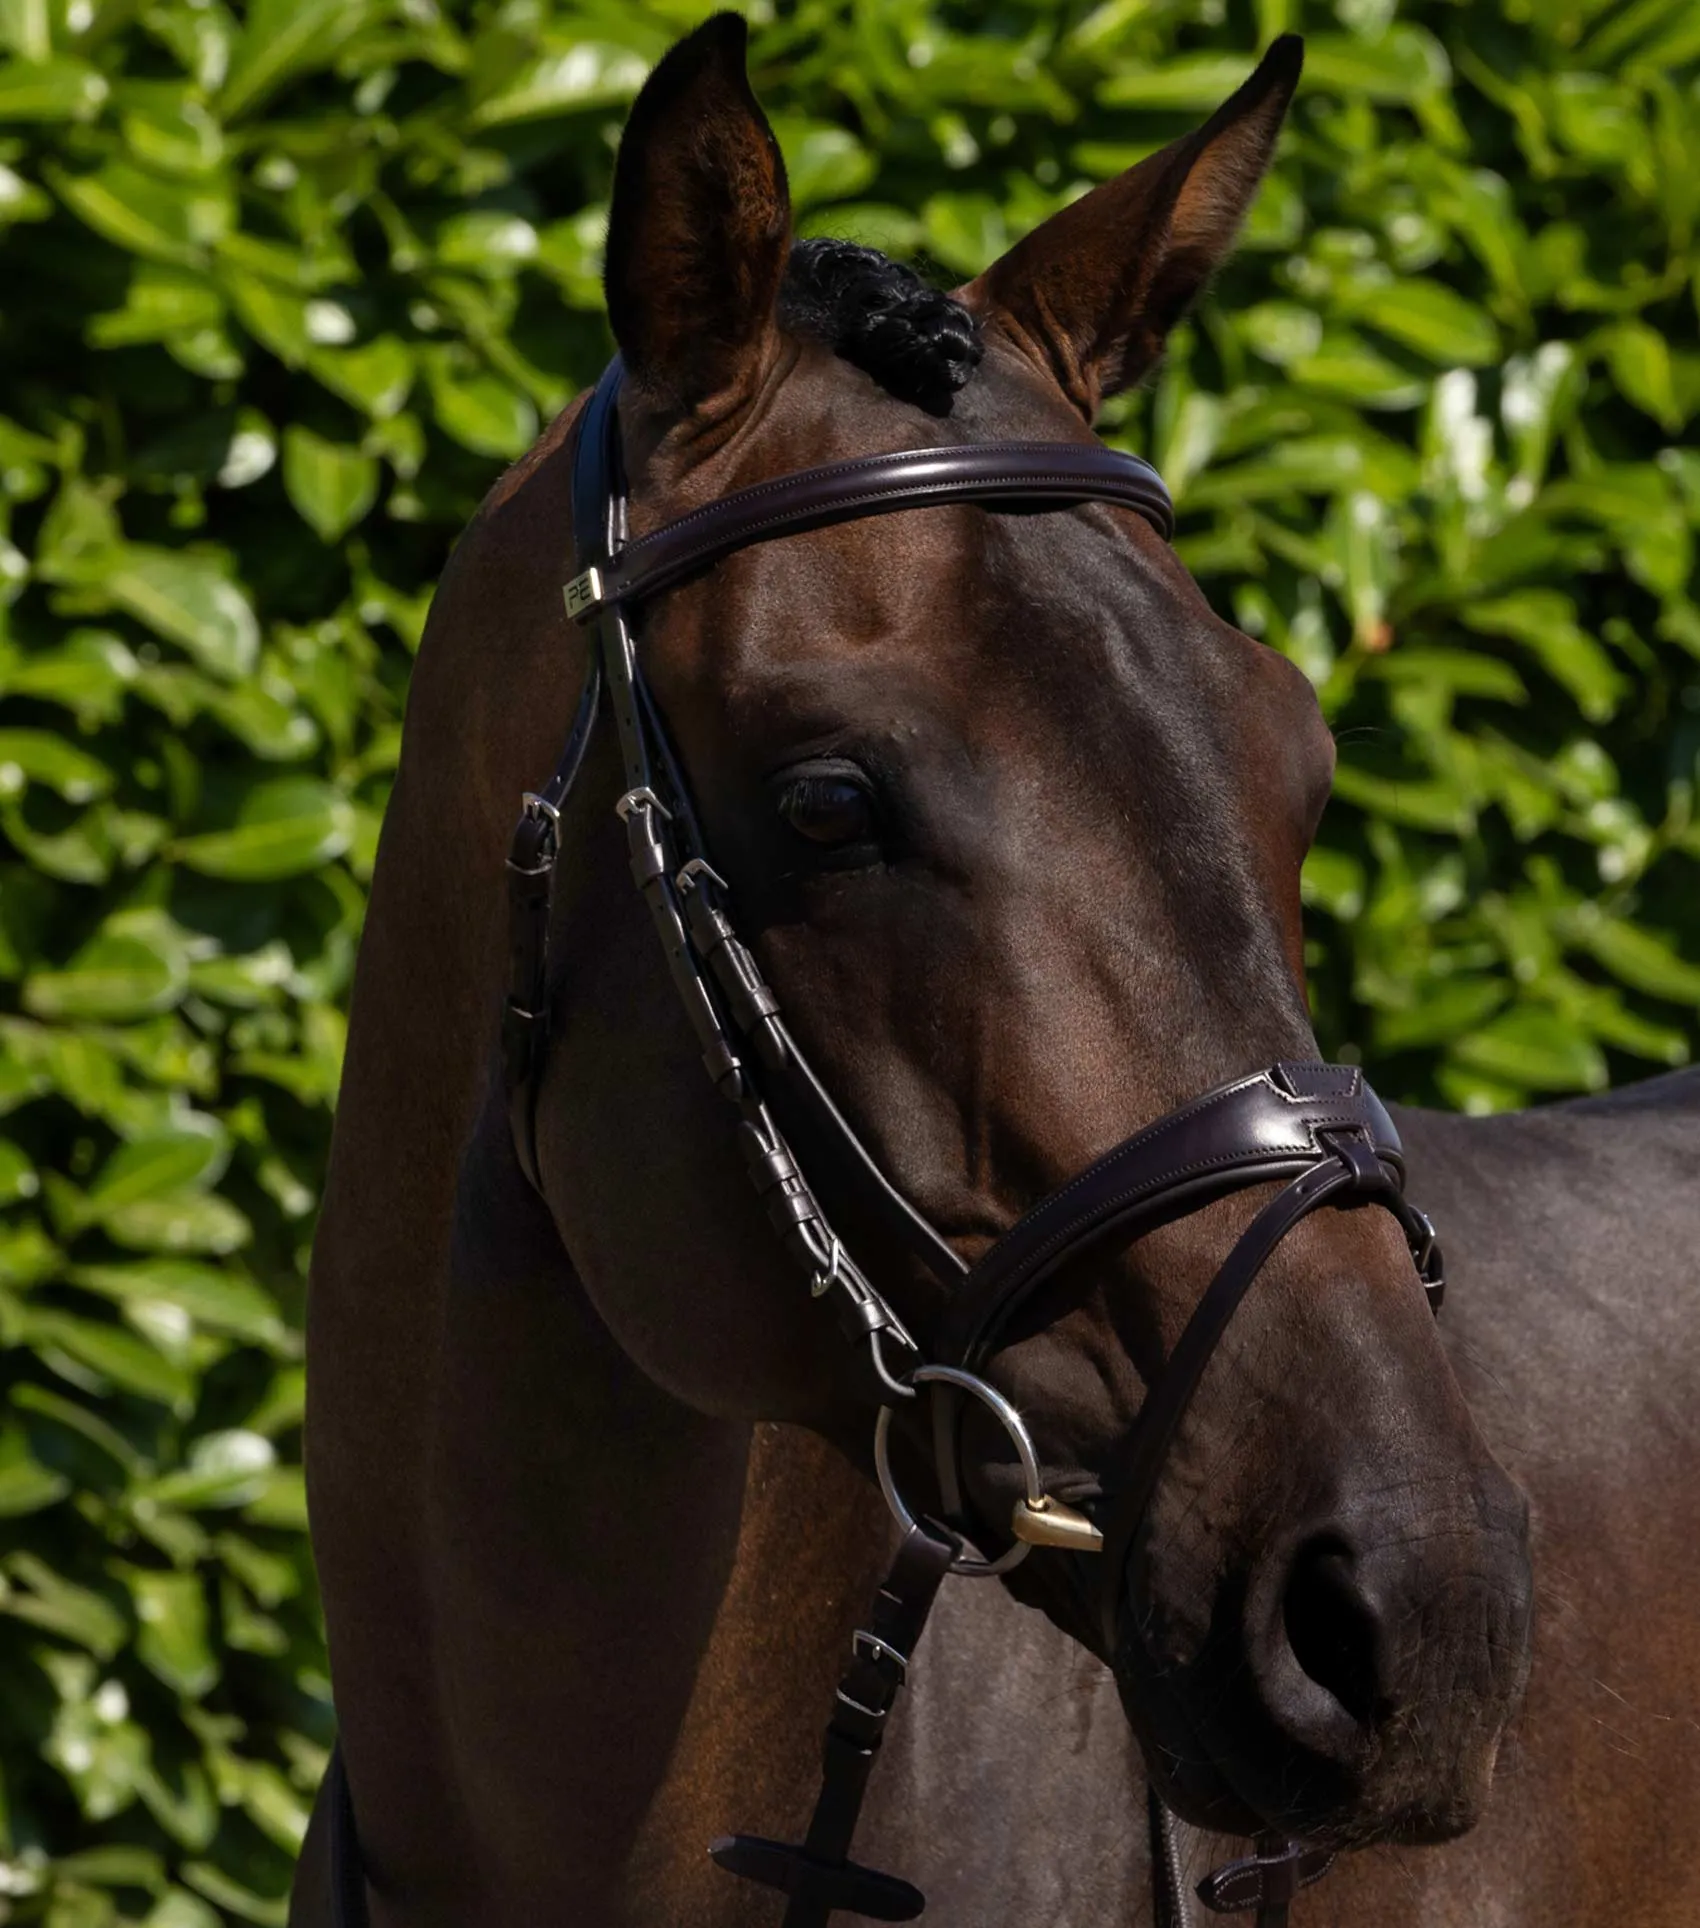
917, 343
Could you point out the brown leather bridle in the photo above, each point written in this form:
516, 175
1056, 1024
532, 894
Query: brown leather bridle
1318, 1129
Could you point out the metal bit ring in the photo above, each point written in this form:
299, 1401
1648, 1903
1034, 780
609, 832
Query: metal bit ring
1011, 1421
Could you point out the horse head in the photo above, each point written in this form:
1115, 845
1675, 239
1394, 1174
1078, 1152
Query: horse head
1014, 821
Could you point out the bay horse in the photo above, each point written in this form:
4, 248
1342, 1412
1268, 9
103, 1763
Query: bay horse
1013, 824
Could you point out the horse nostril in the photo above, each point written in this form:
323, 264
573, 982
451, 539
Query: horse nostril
1332, 1627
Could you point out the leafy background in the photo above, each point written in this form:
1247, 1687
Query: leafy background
285, 284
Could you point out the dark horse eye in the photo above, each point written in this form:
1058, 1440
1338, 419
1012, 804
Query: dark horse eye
828, 808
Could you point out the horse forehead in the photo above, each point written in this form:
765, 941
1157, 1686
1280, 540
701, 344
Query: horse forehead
931, 595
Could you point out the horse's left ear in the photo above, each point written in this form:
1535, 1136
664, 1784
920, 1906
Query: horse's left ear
1092, 292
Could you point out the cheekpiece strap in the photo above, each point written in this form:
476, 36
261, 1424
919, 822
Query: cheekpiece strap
536, 841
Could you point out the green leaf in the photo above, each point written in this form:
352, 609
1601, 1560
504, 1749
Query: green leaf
50, 90
266, 722
112, 1867
1334, 882
217, 1297
1641, 959
160, 220
1640, 363
1280, 331
1352, 370
578, 73
18, 1180
27, 1255
331, 486
179, 1222
283, 39
1398, 67
1425, 804
1445, 1009
1431, 318
1535, 1049
35, 756
87, 673
376, 377
93, 1743
190, 600
822, 162
78, 1348
486, 242
71, 1416
160, 304
225, 1469
286, 825
1464, 672
190, 1157
168, 130
1544, 622
966, 231
26, 1486
1194, 83
478, 409
180, 1909
171, 1610
135, 965
276, 317
284, 1501
31, 1591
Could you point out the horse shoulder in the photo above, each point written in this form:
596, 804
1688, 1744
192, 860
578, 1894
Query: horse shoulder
1571, 1231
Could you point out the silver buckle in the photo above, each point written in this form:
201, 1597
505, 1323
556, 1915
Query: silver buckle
642, 798
699, 869
863, 1642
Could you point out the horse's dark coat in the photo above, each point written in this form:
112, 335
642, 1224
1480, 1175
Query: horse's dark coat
584, 1613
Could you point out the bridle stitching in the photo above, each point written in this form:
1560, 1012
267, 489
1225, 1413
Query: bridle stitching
1133, 1145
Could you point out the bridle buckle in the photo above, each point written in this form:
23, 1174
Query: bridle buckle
641, 798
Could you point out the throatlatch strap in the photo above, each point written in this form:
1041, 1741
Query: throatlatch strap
819, 1876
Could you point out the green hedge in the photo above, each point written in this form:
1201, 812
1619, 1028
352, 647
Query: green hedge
282, 288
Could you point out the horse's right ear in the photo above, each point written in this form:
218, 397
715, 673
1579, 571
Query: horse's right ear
700, 227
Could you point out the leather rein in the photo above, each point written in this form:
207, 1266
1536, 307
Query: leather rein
1316, 1129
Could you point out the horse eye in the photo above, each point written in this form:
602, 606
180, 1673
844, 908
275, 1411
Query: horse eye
829, 810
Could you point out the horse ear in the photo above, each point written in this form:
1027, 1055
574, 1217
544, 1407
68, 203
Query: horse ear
700, 226
1093, 292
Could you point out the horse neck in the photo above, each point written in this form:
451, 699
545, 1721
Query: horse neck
615, 1562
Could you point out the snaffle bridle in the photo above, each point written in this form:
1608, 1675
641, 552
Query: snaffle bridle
1318, 1129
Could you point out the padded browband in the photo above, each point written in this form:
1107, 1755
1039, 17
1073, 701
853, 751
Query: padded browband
1264, 1127
1043, 474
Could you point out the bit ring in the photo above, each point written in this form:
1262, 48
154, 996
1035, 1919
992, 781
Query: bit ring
1013, 1424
